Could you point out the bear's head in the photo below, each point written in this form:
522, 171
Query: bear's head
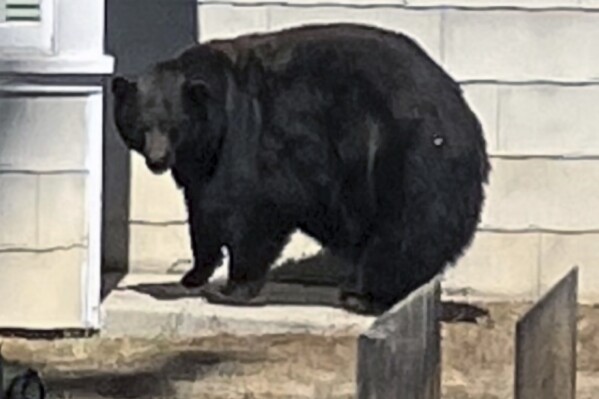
159, 115
183, 108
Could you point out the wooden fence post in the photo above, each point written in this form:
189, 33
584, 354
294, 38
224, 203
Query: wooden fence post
399, 357
546, 344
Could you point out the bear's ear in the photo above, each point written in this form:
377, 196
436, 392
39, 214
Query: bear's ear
121, 86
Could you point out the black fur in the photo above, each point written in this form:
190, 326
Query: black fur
350, 133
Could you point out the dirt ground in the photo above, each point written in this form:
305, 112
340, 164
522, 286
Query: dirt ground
477, 363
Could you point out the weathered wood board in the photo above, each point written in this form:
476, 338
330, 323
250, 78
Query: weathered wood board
546, 344
399, 357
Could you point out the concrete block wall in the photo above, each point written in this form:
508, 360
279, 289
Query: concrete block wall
529, 70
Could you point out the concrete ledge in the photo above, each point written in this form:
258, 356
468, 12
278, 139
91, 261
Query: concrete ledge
155, 306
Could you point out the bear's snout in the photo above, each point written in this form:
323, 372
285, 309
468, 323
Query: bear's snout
157, 152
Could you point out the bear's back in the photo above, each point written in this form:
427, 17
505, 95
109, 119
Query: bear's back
389, 65
365, 47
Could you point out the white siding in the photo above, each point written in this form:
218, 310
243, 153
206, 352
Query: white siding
522, 45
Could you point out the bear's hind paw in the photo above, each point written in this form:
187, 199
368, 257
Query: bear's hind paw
363, 306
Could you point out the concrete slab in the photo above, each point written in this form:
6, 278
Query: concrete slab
156, 306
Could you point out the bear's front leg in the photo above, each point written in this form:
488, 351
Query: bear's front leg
251, 256
205, 246
207, 256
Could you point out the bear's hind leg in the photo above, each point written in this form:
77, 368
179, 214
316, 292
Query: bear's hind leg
349, 281
386, 272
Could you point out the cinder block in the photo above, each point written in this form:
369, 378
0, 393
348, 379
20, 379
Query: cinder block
423, 27
220, 21
497, 264
158, 249
483, 100
43, 290
18, 210
549, 119
520, 45
560, 252
549, 194
42, 134
154, 198
62, 212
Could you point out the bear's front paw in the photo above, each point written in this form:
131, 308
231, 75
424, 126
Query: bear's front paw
241, 294
195, 278
362, 305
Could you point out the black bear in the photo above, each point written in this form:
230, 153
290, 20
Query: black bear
349, 133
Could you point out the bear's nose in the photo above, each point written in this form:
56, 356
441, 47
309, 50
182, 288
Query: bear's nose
157, 150
158, 165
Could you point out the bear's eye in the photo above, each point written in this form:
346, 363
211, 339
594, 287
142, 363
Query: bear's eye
137, 140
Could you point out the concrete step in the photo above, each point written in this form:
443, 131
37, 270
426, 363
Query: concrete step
154, 305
